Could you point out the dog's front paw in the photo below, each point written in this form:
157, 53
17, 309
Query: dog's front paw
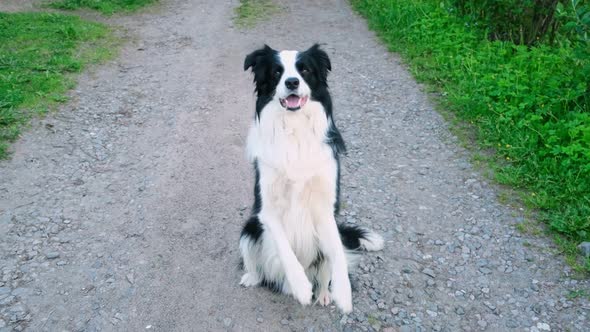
301, 289
342, 295
249, 280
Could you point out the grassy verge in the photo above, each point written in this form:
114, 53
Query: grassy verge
104, 6
528, 107
250, 12
39, 53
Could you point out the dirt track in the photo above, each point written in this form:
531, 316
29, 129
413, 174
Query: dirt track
122, 210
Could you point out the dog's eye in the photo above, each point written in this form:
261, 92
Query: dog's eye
277, 73
304, 71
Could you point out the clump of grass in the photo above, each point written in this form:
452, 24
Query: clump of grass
38, 55
529, 106
251, 12
574, 294
104, 6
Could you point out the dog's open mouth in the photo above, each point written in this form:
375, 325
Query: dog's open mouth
293, 102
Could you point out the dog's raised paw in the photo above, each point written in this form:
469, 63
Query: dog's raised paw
249, 280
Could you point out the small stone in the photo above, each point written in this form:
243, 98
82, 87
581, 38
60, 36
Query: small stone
88, 288
585, 248
429, 272
54, 229
395, 311
460, 311
284, 321
52, 255
482, 262
482, 323
61, 263
431, 313
511, 323
381, 306
227, 322
67, 221
7, 300
130, 278
543, 327
259, 319
17, 313
485, 270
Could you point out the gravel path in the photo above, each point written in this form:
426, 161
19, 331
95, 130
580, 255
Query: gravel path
122, 211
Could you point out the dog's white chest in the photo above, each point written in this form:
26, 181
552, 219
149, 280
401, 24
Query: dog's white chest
292, 143
296, 165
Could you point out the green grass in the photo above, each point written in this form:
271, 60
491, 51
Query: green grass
578, 294
39, 53
527, 109
251, 12
104, 6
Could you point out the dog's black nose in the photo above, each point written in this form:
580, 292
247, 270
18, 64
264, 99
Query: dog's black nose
292, 83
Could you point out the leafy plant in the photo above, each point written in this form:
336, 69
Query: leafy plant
38, 55
527, 103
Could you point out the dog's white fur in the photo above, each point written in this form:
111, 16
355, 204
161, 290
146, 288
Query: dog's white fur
297, 187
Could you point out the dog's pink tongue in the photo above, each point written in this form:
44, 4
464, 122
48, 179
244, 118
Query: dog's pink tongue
292, 101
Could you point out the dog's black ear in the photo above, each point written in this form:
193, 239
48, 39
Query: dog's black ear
321, 60
321, 56
253, 58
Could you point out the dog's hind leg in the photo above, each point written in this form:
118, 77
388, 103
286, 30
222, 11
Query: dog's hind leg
323, 276
249, 247
331, 246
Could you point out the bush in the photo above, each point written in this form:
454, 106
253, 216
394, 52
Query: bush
528, 104
523, 22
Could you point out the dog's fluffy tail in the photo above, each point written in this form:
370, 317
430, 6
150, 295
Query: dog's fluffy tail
358, 238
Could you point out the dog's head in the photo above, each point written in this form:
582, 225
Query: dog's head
291, 77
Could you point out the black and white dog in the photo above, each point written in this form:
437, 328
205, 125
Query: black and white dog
292, 243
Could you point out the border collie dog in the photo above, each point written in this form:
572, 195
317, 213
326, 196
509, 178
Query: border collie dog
292, 242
